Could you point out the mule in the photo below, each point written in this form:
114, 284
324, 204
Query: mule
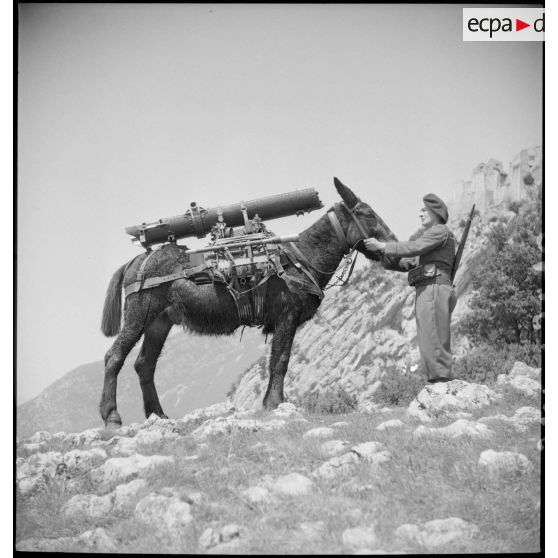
211, 310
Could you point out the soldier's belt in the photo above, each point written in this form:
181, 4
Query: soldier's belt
427, 274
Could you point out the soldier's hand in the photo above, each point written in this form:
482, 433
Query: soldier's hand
374, 245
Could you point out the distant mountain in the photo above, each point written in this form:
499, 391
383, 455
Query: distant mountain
193, 371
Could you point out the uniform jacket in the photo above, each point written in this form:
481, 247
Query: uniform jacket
434, 245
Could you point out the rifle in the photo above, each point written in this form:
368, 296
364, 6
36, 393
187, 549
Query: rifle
462, 244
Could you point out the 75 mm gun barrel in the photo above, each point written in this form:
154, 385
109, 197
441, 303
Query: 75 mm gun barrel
198, 221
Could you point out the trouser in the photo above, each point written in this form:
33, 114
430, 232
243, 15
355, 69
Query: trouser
433, 307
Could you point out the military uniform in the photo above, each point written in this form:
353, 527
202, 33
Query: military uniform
435, 300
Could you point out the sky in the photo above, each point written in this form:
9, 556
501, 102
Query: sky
127, 113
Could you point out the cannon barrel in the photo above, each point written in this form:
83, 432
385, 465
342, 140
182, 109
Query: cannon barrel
198, 221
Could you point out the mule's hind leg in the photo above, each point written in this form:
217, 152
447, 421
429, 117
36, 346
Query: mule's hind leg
279, 361
153, 341
114, 360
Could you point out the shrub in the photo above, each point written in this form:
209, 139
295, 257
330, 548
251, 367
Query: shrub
333, 401
483, 364
506, 287
399, 388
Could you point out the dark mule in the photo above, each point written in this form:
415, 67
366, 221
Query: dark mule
211, 310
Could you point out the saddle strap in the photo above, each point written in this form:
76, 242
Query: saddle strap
151, 282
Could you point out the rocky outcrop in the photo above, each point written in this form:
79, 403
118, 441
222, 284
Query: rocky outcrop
436, 533
453, 399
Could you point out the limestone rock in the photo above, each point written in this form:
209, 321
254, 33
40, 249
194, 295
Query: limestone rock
39, 437
122, 469
340, 424
437, 532
89, 505
331, 448
83, 460
215, 410
164, 513
293, 484
214, 537
395, 423
371, 452
34, 448
98, 540
256, 494
521, 369
521, 419
227, 425
85, 437
504, 462
359, 537
418, 411
527, 415
448, 398
39, 464
337, 466
456, 429
154, 436
319, 432
28, 485
526, 385
129, 430
127, 495
119, 446
287, 410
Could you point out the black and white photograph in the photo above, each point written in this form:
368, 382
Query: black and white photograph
280, 278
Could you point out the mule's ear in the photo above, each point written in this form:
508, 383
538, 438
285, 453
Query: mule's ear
346, 193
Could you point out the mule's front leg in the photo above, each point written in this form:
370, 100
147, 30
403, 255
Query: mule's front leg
279, 361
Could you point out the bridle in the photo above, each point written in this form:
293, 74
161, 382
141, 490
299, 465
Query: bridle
346, 246
342, 237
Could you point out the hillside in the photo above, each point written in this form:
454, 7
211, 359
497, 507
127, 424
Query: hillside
458, 471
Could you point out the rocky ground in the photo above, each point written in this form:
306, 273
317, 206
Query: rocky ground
456, 471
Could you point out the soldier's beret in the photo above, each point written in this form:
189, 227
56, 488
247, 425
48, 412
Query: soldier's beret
437, 206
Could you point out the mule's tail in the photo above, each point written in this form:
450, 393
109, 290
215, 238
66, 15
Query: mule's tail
112, 310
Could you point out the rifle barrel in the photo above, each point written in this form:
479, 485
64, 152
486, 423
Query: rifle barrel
461, 247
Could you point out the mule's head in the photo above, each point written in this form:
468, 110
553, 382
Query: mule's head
363, 223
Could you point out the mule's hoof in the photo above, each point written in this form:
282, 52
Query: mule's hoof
113, 420
271, 405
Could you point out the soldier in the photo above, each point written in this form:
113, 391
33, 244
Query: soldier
434, 248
